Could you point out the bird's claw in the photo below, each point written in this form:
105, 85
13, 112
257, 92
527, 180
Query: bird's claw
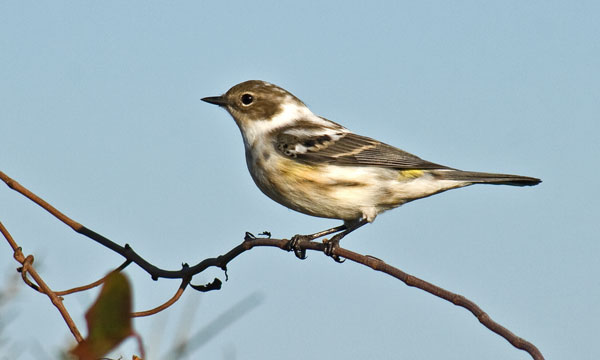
330, 246
294, 245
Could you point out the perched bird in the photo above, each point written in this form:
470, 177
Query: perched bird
318, 167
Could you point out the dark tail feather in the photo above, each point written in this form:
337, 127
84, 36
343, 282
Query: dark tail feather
487, 178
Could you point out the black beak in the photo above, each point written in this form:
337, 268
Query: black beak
216, 100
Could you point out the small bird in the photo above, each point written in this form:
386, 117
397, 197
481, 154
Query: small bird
318, 167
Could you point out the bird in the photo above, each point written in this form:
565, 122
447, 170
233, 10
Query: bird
320, 168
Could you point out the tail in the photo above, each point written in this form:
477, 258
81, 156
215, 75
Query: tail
487, 178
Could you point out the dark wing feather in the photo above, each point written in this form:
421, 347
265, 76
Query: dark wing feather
349, 149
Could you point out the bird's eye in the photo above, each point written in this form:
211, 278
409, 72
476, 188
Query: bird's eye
247, 99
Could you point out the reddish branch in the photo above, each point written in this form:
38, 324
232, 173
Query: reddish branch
27, 262
187, 272
168, 303
91, 285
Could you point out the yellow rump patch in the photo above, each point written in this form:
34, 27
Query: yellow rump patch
410, 174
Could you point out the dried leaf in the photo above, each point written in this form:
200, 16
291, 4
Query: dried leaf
108, 319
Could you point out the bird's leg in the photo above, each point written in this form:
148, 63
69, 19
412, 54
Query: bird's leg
296, 239
334, 242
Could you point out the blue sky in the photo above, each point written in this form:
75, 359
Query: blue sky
101, 117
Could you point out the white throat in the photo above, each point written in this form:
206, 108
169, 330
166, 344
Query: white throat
256, 130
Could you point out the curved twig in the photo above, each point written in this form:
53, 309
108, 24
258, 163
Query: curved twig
171, 301
27, 262
456, 299
92, 285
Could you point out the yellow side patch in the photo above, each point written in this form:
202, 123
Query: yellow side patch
410, 174
296, 171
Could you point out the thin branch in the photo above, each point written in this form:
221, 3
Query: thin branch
456, 299
27, 262
91, 285
410, 280
168, 303
126, 251
36, 199
187, 272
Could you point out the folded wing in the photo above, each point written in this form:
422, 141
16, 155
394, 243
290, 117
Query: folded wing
345, 148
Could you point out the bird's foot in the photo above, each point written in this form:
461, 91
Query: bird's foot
331, 245
294, 245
